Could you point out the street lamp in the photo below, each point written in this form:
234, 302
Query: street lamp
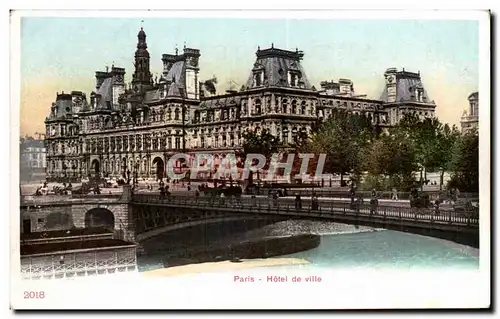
421, 169
136, 173
441, 178
182, 92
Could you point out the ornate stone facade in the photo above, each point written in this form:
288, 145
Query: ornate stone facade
470, 118
134, 129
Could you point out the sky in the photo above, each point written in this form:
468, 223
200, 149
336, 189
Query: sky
62, 54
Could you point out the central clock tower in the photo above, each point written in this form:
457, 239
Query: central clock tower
192, 57
118, 75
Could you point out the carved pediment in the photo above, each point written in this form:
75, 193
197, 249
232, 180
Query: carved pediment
258, 65
294, 66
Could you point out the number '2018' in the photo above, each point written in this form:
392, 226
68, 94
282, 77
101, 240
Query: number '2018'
34, 294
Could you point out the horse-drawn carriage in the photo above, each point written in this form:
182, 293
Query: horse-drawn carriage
420, 200
231, 191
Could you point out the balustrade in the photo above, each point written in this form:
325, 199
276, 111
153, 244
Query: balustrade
330, 208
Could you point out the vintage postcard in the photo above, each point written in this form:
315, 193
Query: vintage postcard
250, 160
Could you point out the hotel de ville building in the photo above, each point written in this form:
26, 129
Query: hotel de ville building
135, 128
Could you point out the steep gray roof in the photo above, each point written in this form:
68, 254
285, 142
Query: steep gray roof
406, 83
62, 107
106, 92
173, 90
176, 74
276, 63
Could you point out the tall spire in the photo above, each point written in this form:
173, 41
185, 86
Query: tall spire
141, 39
142, 75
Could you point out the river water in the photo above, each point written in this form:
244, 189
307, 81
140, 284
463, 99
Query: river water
341, 245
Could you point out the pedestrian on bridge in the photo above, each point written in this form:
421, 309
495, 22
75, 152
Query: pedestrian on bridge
254, 200
275, 199
437, 202
352, 193
298, 202
373, 202
394, 195
314, 202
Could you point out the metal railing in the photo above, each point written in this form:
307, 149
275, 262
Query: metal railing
307, 208
324, 192
97, 195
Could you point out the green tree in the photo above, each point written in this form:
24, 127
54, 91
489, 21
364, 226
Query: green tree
259, 142
393, 157
430, 139
343, 137
446, 142
464, 163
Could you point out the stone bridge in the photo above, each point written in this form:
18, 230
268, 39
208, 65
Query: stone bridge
142, 216
46, 213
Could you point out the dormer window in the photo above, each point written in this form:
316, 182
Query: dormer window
293, 78
420, 95
258, 78
163, 92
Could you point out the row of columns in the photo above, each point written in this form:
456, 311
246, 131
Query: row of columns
142, 142
278, 105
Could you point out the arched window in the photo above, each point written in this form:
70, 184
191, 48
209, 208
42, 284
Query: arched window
294, 107
258, 107
177, 114
284, 106
231, 139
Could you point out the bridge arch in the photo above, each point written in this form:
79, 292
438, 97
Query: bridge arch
161, 230
99, 217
